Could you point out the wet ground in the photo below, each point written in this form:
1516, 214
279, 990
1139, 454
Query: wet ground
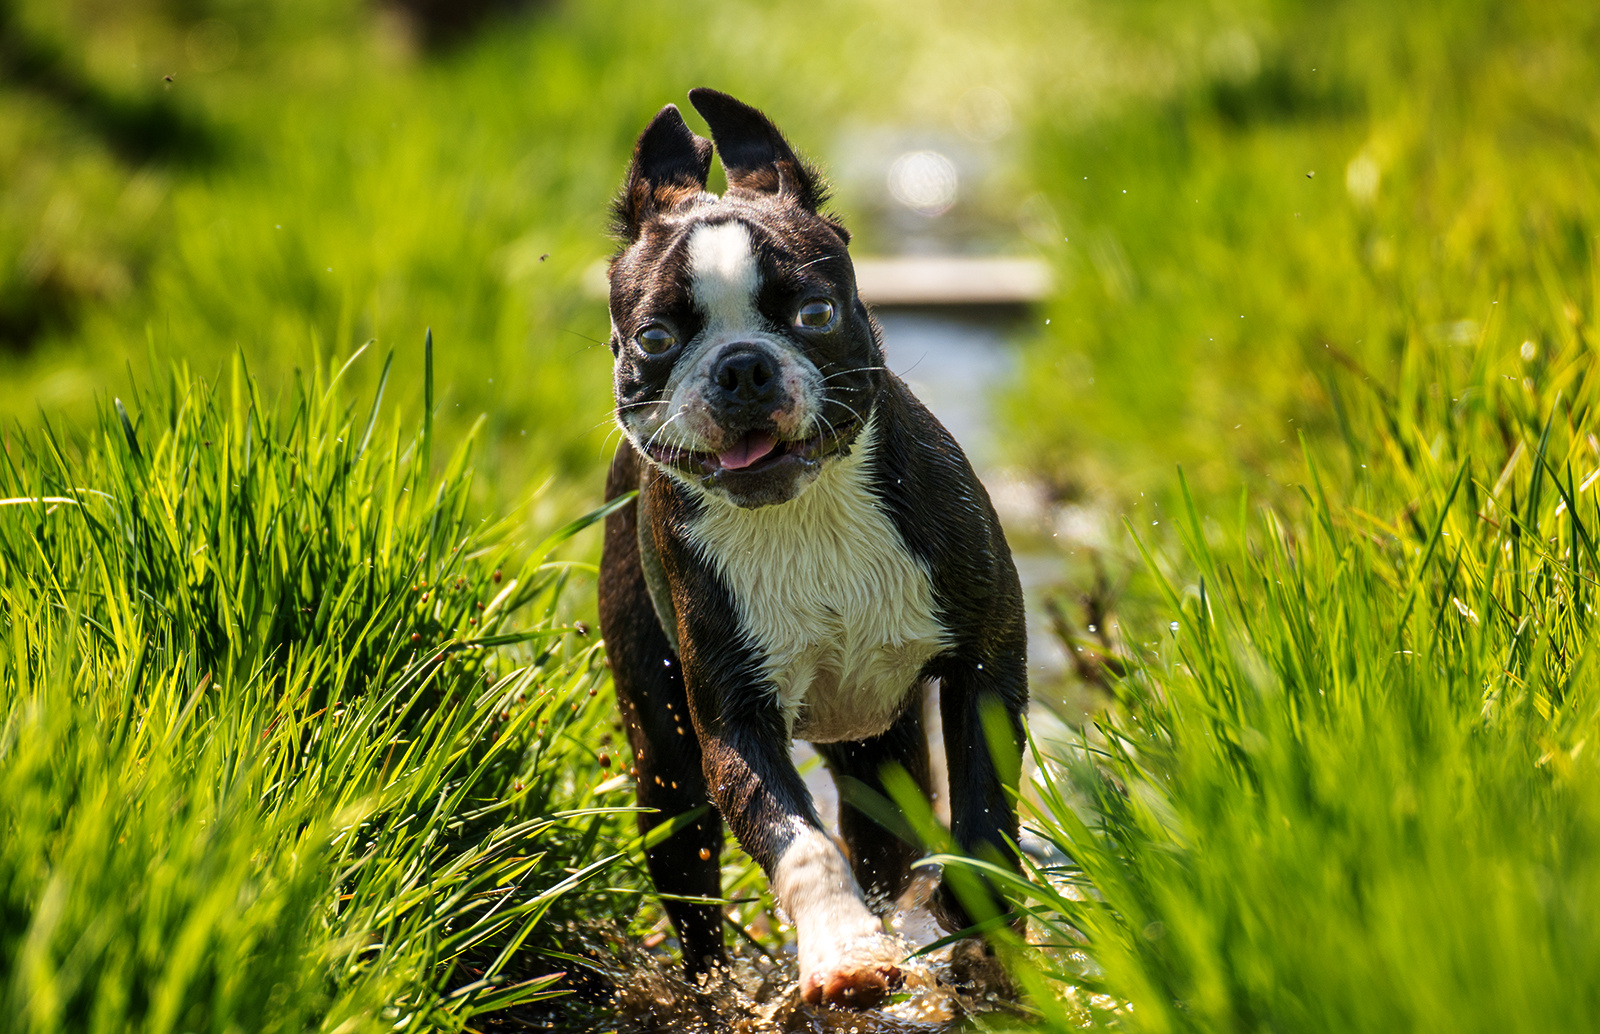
943, 987
762, 995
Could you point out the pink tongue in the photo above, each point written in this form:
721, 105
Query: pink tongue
753, 446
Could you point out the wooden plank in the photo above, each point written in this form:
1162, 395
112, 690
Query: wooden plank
952, 280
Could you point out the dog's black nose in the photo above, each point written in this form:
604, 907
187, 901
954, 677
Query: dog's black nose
746, 376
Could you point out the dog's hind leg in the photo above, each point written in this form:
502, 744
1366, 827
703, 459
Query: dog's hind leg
882, 847
982, 703
667, 757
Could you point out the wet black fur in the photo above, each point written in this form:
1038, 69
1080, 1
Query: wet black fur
703, 727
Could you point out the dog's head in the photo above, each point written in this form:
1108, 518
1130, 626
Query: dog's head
744, 360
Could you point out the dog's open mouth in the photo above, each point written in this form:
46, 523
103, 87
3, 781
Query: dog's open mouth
755, 452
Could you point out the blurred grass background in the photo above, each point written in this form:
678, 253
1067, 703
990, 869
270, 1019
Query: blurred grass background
1338, 261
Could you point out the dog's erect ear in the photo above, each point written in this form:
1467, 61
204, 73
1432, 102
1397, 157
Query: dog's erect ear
756, 157
670, 165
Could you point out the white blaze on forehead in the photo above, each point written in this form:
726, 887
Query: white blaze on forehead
724, 275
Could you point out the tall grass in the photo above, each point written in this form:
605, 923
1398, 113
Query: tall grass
291, 737
1355, 788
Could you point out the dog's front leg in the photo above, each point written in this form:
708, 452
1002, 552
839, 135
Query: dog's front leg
845, 958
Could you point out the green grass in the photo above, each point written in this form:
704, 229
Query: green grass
1355, 788
292, 737
1241, 258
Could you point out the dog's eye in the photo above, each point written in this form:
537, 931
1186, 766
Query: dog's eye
655, 339
818, 312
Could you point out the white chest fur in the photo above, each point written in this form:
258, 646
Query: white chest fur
828, 592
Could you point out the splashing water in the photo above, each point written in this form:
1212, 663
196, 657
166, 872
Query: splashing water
644, 991
761, 994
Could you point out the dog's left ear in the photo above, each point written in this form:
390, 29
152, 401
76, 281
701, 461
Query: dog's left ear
670, 165
756, 157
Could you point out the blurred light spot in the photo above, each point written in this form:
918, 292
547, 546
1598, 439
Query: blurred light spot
983, 114
1361, 178
1457, 332
924, 181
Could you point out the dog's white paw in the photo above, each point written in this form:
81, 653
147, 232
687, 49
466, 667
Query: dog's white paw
846, 959
856, 975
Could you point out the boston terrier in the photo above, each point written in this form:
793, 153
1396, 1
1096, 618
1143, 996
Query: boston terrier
808, 549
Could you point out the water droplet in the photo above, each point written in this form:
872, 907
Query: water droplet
1173, 626
1092, 628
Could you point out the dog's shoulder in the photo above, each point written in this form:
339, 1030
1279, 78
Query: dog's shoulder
943, 514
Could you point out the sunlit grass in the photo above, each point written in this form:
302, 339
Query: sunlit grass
1241, 259
1354, 788
1349, 782
291, 737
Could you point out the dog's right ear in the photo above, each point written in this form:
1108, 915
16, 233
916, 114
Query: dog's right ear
670, 165
756, 157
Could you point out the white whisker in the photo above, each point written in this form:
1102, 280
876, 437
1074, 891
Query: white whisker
859, 369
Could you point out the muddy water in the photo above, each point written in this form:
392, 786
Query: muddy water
761, 993
760, 996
